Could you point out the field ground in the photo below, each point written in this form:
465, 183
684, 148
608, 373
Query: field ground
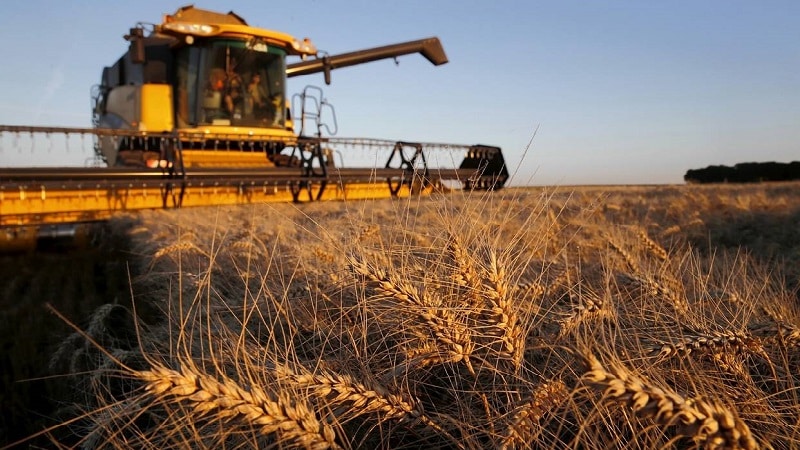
584, 317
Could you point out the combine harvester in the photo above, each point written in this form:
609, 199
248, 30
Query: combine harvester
196, 113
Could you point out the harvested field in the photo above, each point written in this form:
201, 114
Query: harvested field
588, 317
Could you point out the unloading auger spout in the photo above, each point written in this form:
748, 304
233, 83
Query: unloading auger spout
431, 48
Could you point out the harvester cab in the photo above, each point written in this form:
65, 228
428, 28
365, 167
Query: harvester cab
208, 76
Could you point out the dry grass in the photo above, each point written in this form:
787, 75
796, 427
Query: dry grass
606, 318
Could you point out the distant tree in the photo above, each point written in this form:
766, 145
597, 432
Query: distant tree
747, 172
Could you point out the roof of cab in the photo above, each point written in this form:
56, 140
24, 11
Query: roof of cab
231, 24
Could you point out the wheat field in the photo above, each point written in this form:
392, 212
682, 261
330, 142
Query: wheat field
548, 318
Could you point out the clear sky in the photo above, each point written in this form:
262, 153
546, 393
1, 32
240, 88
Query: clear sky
615, 92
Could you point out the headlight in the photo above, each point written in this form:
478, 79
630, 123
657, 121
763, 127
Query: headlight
197, 29
305, 46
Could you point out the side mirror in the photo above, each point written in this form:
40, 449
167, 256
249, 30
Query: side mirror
136, 49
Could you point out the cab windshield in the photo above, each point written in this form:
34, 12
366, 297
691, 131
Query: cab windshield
231, 83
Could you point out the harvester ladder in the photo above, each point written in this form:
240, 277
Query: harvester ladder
313, 159
312, 107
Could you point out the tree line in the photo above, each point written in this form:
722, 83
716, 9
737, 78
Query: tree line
749, 172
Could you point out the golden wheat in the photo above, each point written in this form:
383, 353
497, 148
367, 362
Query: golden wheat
245, 247
622, 252
707, 423
670, 231
665, 288
339, 389
788, 334
545, 398
725, 349
442, 323
178, 247
501, 313
532, 290
292, 420
466, 275
651, 246
710, 343
590, 307
433, 336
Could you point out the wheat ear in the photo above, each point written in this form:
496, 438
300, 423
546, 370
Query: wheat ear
709, 343
178, 247
724, 348
465, 274
502, 317
621, 251
531, 289
787, 334
225, 399
660, 288
711, 425
442, 324
361, 398
651, 246
588, 308
340, 389
545, 398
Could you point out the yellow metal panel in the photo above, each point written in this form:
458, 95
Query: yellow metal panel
225, 158
39, 207
276, 37
243, 133
156, 108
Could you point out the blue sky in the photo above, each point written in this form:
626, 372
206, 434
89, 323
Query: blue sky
615, 92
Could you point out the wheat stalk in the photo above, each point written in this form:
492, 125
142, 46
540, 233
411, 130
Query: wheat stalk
105, 423
292, 420
660, 288
706, 423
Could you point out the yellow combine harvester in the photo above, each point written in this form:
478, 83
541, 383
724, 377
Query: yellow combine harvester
196, 113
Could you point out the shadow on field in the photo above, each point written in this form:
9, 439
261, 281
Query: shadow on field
75, 278
770, 237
